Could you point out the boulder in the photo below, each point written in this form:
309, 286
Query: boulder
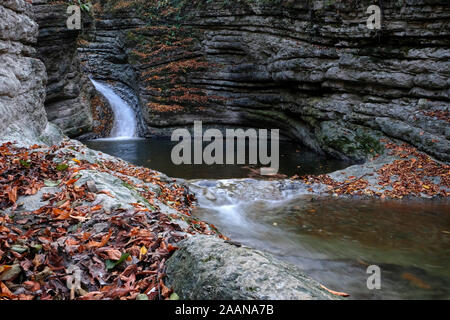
22, 76
206, 267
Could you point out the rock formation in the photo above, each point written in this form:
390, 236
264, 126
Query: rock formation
207, 268
22, 75
310, 68
69, 91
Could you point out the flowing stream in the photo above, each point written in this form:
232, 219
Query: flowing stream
332, 240
124, 117
335, 240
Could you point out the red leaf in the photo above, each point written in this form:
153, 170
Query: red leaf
12, 194
337, 293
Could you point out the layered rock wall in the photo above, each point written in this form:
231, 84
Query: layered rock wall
310, 68
103, 53
22, 76
317, 71
69, 91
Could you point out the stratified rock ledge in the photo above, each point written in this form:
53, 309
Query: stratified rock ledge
208, 268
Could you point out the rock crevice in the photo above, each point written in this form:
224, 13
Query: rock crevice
69, 91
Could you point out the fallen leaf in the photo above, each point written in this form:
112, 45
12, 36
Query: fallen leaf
415, 281
337, 293
12, 194
171, 248
107, 193
72, 242
4, 268
5, 292
113, 254
142, 252
4, 229
32, 285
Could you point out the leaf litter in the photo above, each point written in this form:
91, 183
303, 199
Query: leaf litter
412, 173
72, 248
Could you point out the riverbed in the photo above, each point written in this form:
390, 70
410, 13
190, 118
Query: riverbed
332, 240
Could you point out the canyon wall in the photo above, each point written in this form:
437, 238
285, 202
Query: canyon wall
316, 70
69, 91
310, 68
22, 76
104, 55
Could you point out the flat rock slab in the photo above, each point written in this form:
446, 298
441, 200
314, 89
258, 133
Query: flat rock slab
208, 268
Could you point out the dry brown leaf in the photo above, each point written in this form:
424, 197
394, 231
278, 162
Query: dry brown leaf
337, 293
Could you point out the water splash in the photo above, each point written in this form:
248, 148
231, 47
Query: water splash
233, 201
124, 117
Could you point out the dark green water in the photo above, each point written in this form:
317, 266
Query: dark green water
332, 240
156, 154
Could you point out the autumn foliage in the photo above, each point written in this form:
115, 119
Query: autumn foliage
412, 174
166, 56
103, 117
71, 247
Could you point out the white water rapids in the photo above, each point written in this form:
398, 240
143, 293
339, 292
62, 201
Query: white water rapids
124, 117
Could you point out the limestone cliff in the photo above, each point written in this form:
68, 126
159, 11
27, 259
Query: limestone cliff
22, 76
310, 68
69, 91
318, 71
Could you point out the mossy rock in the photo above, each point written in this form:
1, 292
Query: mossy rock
350, 141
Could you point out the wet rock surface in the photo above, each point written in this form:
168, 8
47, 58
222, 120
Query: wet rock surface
69, 91
22, 76
209, 268
312, 69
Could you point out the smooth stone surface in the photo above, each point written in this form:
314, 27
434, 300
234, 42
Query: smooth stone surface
206, 267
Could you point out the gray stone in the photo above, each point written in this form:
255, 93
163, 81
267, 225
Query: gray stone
206, 267
69, 91
276, 66
22, 77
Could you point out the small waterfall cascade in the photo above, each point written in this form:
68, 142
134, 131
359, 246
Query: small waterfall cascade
125, 124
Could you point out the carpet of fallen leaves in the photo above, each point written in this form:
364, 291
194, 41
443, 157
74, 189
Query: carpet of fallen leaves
411, 175
72, 248
439, 114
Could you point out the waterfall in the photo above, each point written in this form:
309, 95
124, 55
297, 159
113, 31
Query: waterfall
124, 117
